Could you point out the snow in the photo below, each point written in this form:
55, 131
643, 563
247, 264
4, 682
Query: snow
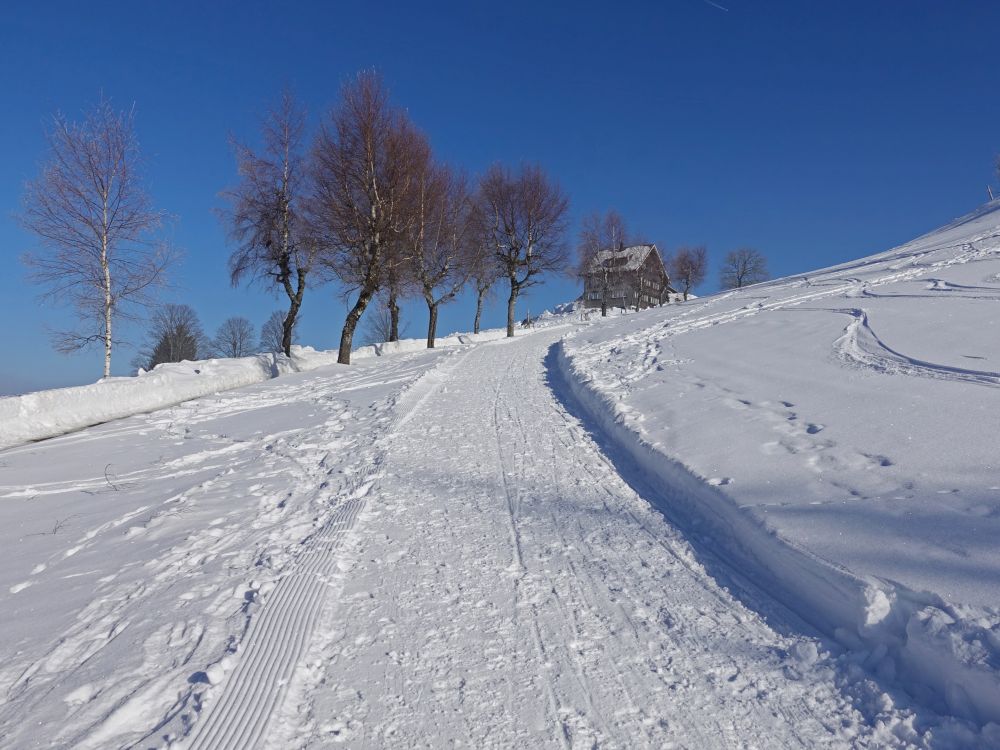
832, 435
634, 255
763, 518
44, 414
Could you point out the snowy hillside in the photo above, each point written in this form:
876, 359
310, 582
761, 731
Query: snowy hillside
765, 518
853, 411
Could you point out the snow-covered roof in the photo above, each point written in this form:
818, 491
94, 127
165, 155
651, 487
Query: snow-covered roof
628, 258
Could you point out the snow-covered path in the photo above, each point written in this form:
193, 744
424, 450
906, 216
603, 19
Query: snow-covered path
151, 563
509, 589
426, 550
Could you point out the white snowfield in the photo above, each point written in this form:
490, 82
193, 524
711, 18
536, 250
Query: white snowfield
834, 436
763, 519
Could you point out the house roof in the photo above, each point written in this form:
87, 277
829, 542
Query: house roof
629, 258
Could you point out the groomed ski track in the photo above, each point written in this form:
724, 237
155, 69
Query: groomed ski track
506, 588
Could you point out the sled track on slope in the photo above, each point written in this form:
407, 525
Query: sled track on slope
278, 636
976, 249
861, 346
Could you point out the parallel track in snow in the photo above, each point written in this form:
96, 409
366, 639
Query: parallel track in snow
279, 634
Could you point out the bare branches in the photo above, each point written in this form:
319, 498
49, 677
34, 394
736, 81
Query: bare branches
234, 338
524, 223
267, 212
272, 333
742, 267
688, 267
364, 163
440, 237
96, 224
600, 237
175, 335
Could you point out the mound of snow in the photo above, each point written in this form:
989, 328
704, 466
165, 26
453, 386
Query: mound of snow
44, 414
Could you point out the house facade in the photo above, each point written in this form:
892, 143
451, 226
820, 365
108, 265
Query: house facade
631, 277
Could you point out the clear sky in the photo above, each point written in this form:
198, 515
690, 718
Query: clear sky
815, 132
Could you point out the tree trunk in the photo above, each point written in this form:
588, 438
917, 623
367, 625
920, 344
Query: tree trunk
432, 324
604, 302
347, 335
288, 326
106, 267
294, 303
393, 316
479, 311
511, 301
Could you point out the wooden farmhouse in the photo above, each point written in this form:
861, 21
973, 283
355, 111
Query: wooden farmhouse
626, 277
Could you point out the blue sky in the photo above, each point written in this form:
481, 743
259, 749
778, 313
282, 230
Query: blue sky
815, 132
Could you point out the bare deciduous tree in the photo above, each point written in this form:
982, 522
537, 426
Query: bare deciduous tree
175, 335
272, 333
234, 338
363, 162
484, 271
742, 267
688, 267
378, 323
524, 219
97, 225
439, 238
266, 215
600, 234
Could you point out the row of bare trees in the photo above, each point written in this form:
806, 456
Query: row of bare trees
363, 203
369, 206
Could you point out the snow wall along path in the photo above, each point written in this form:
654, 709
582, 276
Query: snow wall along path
45, 414
910, 639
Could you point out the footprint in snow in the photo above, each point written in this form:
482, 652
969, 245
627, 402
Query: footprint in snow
720, 481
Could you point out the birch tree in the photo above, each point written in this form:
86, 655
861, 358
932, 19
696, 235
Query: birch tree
363, 159
97, 227
266, 215
524, 219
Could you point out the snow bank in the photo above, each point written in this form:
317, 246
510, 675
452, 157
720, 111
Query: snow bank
44, 414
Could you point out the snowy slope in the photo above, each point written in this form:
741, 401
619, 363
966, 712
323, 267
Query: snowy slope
136, 553
761, 519
834, 435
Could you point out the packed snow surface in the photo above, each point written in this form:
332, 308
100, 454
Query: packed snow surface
759, 519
